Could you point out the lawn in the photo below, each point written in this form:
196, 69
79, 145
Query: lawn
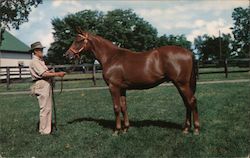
86, 120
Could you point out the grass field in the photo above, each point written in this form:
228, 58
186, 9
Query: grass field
86, 120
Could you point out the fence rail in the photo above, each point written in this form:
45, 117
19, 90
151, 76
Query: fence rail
21, 73
225, 65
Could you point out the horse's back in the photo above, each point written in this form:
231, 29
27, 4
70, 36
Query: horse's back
175, 51
162, 61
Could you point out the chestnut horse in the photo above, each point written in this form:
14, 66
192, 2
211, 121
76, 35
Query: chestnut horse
124, 69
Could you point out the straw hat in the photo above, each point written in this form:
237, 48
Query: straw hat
36, 45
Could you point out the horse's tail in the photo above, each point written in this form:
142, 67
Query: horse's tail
193, 76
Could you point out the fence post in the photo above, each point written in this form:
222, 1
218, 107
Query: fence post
8, 77
225, 68
94, 78
53, 68
20, 71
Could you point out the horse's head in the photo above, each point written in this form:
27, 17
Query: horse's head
79, 45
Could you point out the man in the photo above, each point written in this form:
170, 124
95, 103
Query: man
42, 86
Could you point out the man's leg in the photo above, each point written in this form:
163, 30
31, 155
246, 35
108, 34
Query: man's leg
45, 103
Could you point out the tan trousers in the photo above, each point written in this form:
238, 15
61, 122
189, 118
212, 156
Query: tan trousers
42, 89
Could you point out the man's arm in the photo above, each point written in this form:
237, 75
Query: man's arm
48, 74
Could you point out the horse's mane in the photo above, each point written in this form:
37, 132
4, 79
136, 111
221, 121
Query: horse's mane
99, 38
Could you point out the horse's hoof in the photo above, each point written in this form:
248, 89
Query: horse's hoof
196, 132
185, 131
115, 133
125, 130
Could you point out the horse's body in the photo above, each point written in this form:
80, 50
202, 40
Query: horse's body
124, 69
146, 70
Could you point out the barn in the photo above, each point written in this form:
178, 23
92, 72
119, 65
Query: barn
14, 52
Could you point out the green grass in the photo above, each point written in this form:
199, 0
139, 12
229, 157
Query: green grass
221, 76
25, 86
86, 119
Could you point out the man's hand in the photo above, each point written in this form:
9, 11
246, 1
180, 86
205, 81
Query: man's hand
61, 74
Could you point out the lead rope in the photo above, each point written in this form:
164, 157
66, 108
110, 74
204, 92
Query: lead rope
54, 103
53, 99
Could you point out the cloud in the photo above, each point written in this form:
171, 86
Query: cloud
202, 27
44, 36
47, 39
59, 3
75, 6
191, 18
167, 19
200, 23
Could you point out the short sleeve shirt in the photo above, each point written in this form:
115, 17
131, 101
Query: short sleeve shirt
37, 67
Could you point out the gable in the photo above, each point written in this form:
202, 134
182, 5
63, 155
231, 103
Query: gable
12, 44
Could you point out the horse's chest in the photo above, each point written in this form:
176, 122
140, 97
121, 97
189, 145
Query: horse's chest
113, 76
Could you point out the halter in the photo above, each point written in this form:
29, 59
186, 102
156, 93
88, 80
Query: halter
78, 52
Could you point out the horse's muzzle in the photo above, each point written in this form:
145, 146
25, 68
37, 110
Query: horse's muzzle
69, 54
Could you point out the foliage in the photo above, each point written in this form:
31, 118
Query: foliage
65, 32
179, 40
15, 12
123, 27
208, 47
128, 30
241, 31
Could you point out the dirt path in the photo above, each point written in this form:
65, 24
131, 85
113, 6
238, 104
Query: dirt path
99, 88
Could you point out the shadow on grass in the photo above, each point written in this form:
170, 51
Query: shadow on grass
144, 123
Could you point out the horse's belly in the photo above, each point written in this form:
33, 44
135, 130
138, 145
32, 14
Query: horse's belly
143, 83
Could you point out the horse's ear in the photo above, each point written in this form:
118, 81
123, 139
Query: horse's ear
86, 34
82, 32
79, 30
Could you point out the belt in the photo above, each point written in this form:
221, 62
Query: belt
36, 80
39, 80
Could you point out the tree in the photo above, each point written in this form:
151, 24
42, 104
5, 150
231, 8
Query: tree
208, 48
14, 13
65, 32
128, 30
179, 40
123, 27
241, 31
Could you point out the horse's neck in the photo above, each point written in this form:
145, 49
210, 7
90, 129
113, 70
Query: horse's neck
103, 49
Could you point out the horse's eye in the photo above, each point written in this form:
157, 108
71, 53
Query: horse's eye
78, 39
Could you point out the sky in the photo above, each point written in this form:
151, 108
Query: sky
188, 17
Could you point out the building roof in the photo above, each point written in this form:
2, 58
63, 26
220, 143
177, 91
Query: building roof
12, 44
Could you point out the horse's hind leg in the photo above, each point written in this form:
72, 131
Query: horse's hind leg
124, 110
196, 117
190, 103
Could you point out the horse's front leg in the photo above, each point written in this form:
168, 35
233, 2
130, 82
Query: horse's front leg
124, 110
187, 124
116, 94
